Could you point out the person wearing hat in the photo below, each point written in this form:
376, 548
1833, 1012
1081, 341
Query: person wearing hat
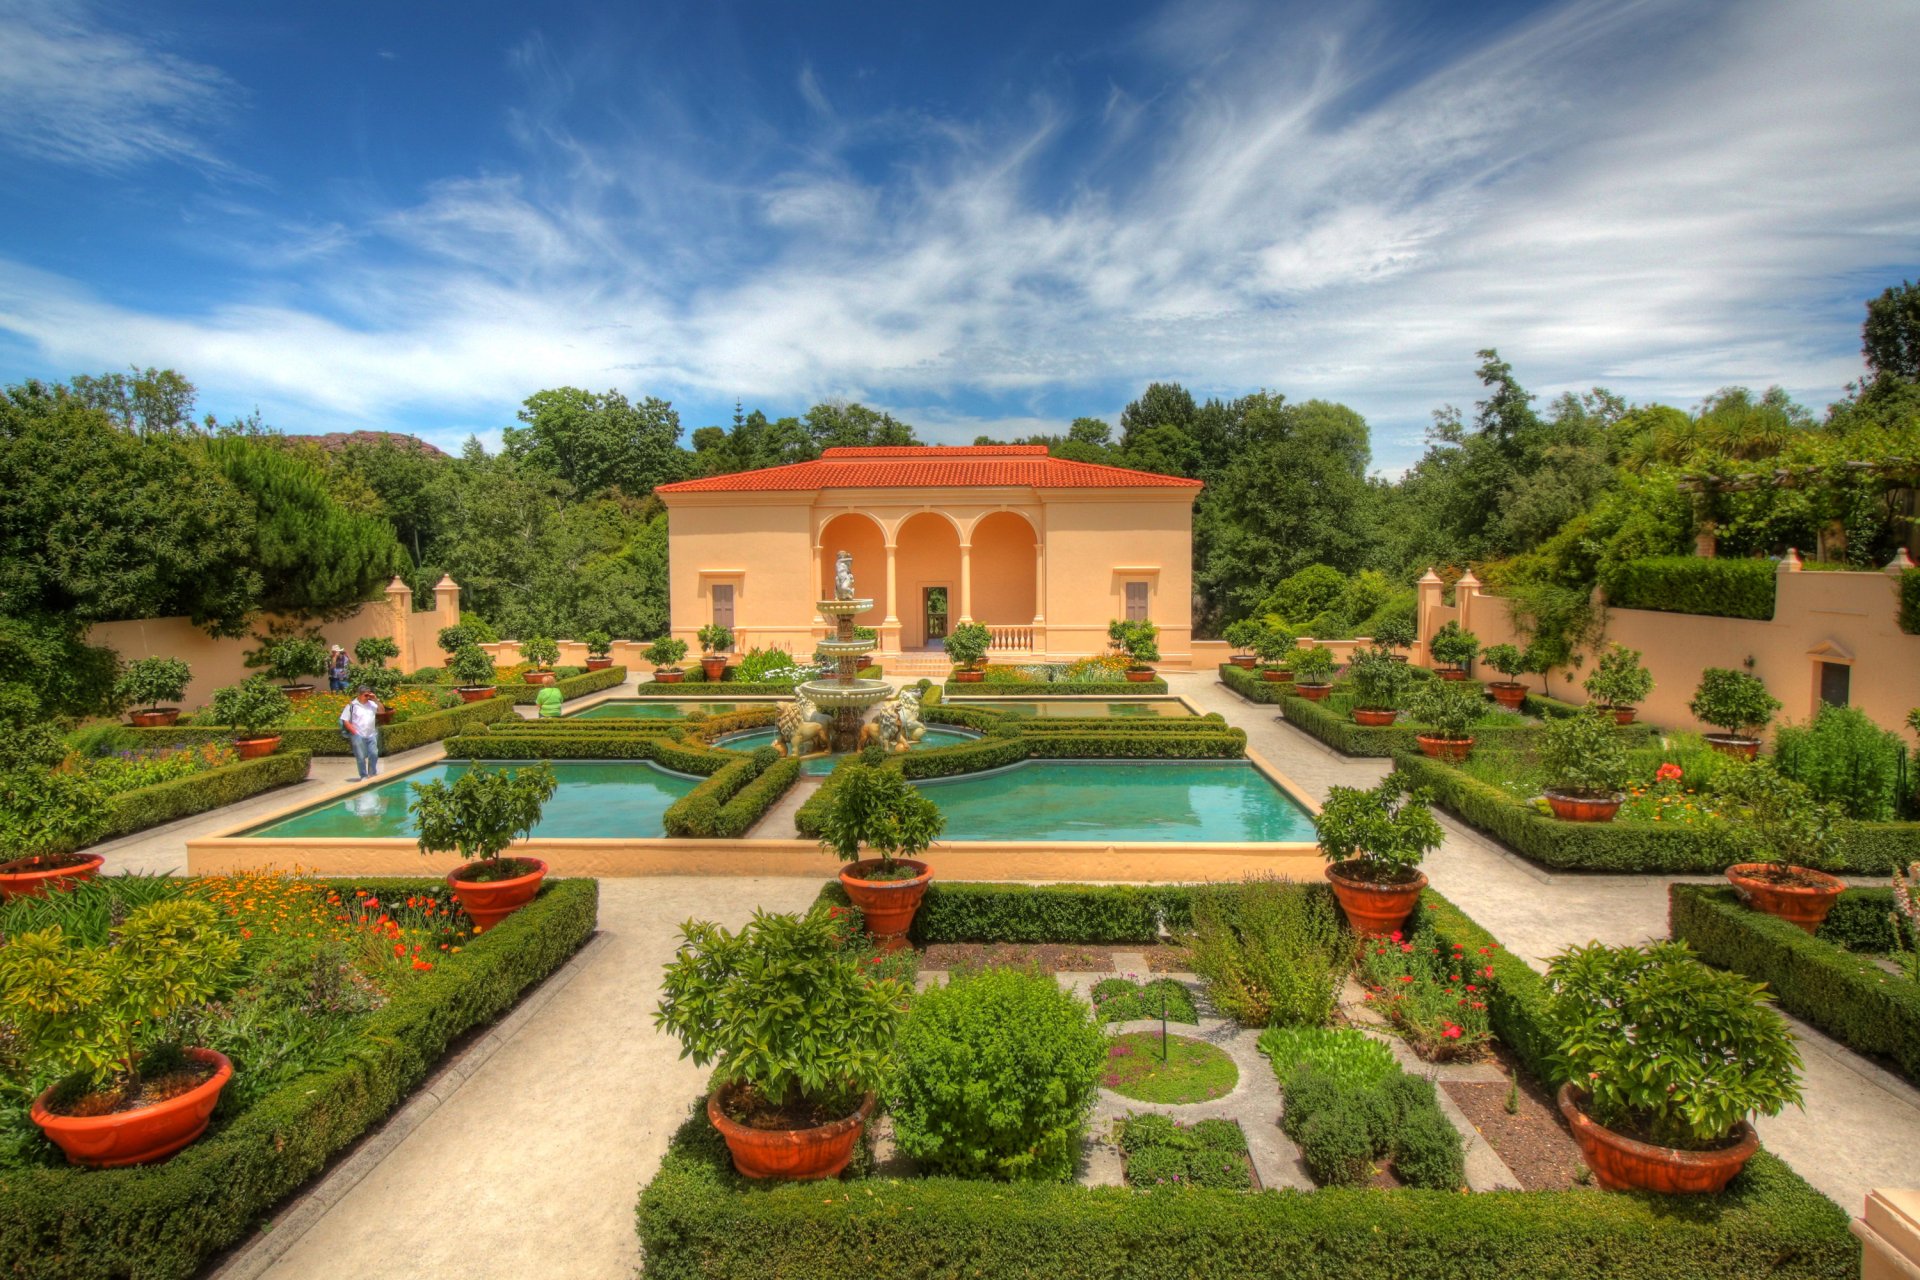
359, 720
337, 670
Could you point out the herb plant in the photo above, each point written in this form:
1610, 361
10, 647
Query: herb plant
1270, 950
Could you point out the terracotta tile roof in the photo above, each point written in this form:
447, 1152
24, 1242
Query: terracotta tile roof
933, 467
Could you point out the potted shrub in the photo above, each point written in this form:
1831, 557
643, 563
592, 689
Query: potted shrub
1276, 647
1509, 662
599, 650
542, 652
1618, 682
1664, 1060
254, 709
876, 809
1141, 643
1584, 758
1453, 649
1737, 703
715, 642
145, 684
100, 1017
456, 637
967, 645
1448, 711
1374, 841
45, 814
478, 816
1393, 634
375, 651
792, 1094
1379, 685
1311, 667
472, 670
1240, 636
287, 656
383, 680
1778, 821
665, 654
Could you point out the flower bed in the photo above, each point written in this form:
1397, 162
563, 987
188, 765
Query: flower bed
320, 710
281, 1123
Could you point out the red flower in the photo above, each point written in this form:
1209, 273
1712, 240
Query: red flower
1452, 1032
1668, 773
1406, 977
1395, 935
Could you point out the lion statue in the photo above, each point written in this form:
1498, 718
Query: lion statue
803, 729
897, 724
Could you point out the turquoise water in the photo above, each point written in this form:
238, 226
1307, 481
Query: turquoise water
657, 709
936, 737
1070, 707
619, 799
1147, 800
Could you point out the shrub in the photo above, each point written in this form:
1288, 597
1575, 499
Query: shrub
1241, 635
1775, 819
1270, 951
994, 1076
541, 651
875, 809
480, 814
1124, 1000
144, 807
1453, 646
1845, 758
1428, 1151
1618, 679
288, 654
1140, 641
472, 667
1380, 683
152, 681
1447, 708
1507, 660
1336, 1142
1389, 829
1345, 1056
1733, 701
253, 707
1394, 632
1664, 1046
384, 681
455, 638
967, 644
1306, 594
1584, 755
1693, 584
665, 653
1312, 666
599, 644
375, 651
1274, 645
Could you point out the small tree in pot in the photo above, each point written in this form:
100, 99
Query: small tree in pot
1379, 686
1448, 711
287, 655
1311, 667
254, 709
665, 655
1141, 643
715, 642
375, 651
1587, 763
1276, 647
456, 637
1780, 824
145, 684
1393, 634
1738, 703
1665, 1059
45, 812
799, 1036
1453, 648
1374, 841
1509, 662
478, 816
1618, 682
877, 810
967, 645
599, 650
472, 670
1240, 637
542, 652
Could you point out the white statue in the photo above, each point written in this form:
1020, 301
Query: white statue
802, 729
896, 726
843, 576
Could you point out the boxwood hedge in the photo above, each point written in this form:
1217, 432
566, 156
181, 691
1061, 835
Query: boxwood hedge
958, 911
1062, 689
164, 1222
144, 807
1693, 584
734, 798
570, 687
417, 731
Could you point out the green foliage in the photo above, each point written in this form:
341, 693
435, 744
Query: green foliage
598, 441
781, 1007
1124, 1000
1584, 755
1733, 701
715, 638
1618, 679
1910, 601
665, 653
1428, 1151
288, 653
1890, 338
481, 812
1305, 595
49, 811
1312, 666
876, 810
541, 651
472, 667
1270, 950
1380, 682
727, 804
600, 644
1242, 634
150, 682
1453, 646
1844, 758
1350, 1058
994, 1075
375, 651
1506, 659
1274, 644
1447, 708
1776, 819
1395, 632
1140, 641
384, 681
1163, 1153
456, 637
144, 807
1694, 584
1389, 827
967, 644
49, 657
1663, 1045
954, 911
1343, 1125
254, 708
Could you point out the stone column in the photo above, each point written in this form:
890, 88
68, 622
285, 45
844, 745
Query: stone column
1465, 593
890, 624
399, 614
966, 582
819, 577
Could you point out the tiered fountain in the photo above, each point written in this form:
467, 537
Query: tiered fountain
846, 696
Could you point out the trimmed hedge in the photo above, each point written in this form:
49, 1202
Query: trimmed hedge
1343, 735
570, 687
144, 807
1847, 996
166, 1221
417, 731
1064, 689
734, 798
1693, 584
1087, 914
1868, 847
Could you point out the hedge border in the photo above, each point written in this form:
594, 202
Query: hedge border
1850, 998
1699, 585
1909, 615
394, 738
1065, 689
734, 798
145, 807
570, 687
165, 1221
693, 684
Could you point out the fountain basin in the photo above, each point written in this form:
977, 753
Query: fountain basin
831, 695
840, 608
844, 648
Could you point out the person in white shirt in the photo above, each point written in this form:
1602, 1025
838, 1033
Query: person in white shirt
363, 731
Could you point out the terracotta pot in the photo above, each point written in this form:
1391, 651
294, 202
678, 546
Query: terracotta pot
539, 678
1313, 692
1375, 908
714, 665
298, 692
474, 694
491, 901
141, 1136
1452, 673
254, 748
1140, 676
1244, 661
667, 677
969, 677
1622, 715
797, 1154
154, 718
1801, 905
1624, 1164
1571, 808
1734, 745
383, 716
599, 664
1444, 748
1508, 693
26, 878
1374, 719
888, 905
1277, 675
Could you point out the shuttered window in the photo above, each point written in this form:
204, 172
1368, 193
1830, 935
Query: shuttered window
723, 604
1136, 602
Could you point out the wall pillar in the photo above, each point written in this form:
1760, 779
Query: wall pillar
820, 577
1431, 591
399, 610
1039, 584
1465, 593
446, 600
966, 582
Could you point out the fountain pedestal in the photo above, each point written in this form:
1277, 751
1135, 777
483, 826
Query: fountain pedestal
846, 696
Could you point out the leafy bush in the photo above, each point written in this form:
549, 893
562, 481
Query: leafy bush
733, 799
151, 682
541, 651
1306, 594
455, 638
144, 807
1380, 683
1428, 1151
1618, 679
1242, 634
288, 654
665, 653
253, 707
1507, 660
1775, 819
375, 651
876, 810
1312, 666
1394, 632
1140, 641
715, 638
480, 814
1274, 645
1845, 758
994, 1076
1124, 1000
1346, 1056
1453, 646
1733, 701
1693, 584
1910, 601
472, 667
1447, 708
384, 681
1584, 755
1388, 828
1270, 950
967, 644
600, 644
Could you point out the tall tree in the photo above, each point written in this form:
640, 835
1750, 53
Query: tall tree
835, 424
598, 442
1890, 338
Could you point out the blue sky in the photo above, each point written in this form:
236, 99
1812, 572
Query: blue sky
982, 217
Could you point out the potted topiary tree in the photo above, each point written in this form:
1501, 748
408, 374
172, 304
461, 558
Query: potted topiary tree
1141, 643
287, 655
1374, 841
375, 651
542, 652
145, 684
46, 812
1276, 647
383, 680
472, 669
1448, 711
1583, 756
478, 816
599, 650
1738, 703
792, 1093
1664, 1060
1379, 685
665, 655
1509, 662
455, 638
254, 709
967, 645
877, 810
1311, 667
1241, 635
1392, 634
1780, 823
1618, 682
715, 642
102, 1019
1453, 648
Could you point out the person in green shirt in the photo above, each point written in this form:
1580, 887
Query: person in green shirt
548, 701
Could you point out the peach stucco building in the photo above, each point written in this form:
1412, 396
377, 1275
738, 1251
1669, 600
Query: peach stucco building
1044, 551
